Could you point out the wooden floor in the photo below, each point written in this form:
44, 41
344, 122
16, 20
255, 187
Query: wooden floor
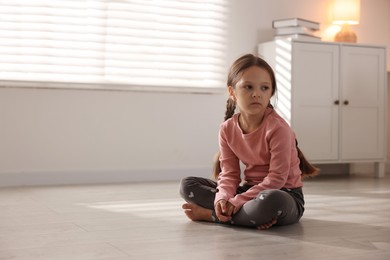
346, 218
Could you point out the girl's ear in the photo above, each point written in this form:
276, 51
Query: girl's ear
231, 93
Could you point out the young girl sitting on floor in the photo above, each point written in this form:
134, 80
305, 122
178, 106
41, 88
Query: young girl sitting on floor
256, 136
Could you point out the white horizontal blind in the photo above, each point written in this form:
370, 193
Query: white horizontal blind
174, 43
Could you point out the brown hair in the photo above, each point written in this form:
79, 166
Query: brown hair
235, 72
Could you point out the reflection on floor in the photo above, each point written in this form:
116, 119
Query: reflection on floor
347, 217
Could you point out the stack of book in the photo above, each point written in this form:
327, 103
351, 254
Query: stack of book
296, 28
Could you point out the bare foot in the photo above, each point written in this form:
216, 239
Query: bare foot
197, 213
267, 225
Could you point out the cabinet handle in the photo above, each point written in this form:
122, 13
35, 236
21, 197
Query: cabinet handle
336, 102
346, 102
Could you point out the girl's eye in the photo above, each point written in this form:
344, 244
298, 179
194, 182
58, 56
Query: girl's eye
265, 88
249, 87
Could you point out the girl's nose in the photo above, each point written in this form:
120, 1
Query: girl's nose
256, 92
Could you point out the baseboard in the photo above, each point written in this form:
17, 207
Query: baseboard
12, 179
334, 169
98, 177
388, 167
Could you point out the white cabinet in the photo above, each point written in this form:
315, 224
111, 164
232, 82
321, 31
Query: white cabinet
334, 97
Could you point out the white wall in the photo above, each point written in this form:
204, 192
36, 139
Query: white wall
121, 135
73, 136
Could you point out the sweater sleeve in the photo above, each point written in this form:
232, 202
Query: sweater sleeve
229, 178
280, 142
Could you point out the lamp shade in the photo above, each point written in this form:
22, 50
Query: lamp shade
346, 11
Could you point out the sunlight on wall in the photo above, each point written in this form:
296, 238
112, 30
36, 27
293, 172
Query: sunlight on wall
283, 78
329, 30
329, 33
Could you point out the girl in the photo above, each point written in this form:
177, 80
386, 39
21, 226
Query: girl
256, 136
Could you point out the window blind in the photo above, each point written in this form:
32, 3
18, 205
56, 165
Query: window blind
126, 43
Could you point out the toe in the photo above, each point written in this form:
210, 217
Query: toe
185, 206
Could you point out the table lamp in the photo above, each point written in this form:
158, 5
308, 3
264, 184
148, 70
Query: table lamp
346, 13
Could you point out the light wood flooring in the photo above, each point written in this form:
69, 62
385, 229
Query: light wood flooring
347, 217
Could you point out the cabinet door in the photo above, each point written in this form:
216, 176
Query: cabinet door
363, 103
314, 93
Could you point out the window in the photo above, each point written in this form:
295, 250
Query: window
113, 44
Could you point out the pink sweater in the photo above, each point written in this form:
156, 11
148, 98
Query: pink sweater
269, 154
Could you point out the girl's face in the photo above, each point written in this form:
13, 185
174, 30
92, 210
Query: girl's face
253, 91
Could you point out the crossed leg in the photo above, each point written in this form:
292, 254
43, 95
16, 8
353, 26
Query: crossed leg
198, 213
269, 208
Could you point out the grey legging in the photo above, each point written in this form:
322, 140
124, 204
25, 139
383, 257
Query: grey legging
285, 205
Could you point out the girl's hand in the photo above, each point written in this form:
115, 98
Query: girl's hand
224, 210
